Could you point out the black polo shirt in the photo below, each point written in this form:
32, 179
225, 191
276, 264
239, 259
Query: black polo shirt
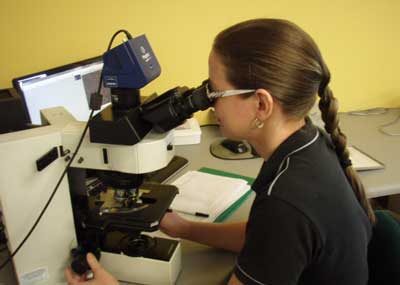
305, 225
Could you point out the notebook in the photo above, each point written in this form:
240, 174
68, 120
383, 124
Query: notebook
209, 195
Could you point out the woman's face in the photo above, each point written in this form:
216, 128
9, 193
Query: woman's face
235, 114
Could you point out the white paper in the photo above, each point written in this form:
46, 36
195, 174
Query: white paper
187, 133
362, 161
206, 193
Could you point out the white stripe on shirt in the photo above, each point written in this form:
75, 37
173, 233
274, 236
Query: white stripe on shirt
287, 159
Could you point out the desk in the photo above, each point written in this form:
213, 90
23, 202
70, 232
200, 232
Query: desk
205, 265
363, 132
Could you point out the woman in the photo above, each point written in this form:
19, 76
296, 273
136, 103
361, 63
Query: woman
310, 222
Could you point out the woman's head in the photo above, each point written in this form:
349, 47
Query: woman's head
235, 113
275, 55
278, 58
268, 55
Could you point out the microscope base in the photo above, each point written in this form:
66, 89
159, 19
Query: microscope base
144, 270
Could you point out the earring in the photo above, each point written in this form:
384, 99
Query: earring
258, 124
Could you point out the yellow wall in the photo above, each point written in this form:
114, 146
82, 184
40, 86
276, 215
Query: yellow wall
359, 39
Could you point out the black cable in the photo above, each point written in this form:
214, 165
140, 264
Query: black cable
392, 123
128, 35
51, 196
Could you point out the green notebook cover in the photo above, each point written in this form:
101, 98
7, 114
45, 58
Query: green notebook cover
224, 215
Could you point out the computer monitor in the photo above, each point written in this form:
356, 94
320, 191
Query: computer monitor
69, 86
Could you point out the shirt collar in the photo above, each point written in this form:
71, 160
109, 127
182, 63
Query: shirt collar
301, 138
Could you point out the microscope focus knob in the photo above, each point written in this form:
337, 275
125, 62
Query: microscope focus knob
79, 265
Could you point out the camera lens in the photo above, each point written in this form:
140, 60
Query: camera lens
172, 108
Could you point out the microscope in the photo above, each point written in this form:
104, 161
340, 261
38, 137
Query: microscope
105, 206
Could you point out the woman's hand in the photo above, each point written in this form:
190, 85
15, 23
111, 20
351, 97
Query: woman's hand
229, 236
174, 225
101, 276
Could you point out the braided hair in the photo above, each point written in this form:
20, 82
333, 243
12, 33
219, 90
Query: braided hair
329, 106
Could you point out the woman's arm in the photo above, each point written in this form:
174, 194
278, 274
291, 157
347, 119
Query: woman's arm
229, 236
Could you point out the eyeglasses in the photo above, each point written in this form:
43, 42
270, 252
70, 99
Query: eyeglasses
218, 94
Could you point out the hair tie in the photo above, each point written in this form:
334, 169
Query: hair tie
345, 163
323, 84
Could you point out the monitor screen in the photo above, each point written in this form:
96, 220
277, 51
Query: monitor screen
68, 86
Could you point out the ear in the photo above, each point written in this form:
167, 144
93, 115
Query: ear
265, 104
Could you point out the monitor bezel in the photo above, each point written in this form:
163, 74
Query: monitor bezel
51, 71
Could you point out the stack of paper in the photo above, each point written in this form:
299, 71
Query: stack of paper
187, 133
204, 196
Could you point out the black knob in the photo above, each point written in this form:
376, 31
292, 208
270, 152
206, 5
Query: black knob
79, 264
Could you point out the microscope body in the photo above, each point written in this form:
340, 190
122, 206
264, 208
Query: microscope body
120, 148
114, 223
104, 206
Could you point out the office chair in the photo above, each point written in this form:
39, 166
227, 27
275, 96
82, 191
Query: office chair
384, 250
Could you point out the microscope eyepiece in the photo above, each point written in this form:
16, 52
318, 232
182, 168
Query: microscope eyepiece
173, 107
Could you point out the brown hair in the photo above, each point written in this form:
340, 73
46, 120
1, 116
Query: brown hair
279, 56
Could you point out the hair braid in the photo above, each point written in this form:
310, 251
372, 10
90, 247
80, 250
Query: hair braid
328, 105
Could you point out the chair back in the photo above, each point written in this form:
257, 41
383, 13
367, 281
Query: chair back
384, 250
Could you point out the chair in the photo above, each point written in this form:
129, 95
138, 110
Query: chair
384, 250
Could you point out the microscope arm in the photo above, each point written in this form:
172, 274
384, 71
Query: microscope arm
153, 152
